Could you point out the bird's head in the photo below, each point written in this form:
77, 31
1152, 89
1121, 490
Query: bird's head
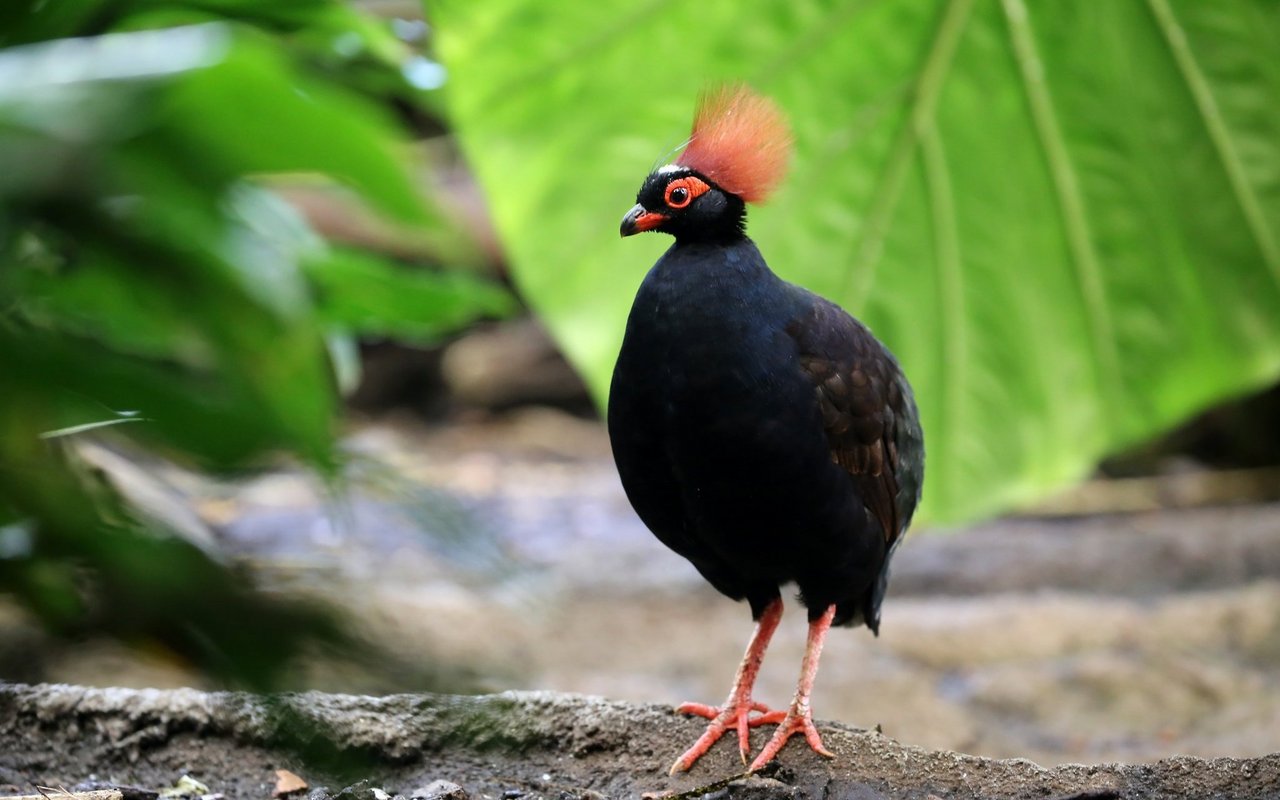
737, 154
686, 204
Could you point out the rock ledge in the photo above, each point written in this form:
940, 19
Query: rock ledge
512, 745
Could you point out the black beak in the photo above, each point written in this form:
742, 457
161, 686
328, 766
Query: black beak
629, 221
640, 219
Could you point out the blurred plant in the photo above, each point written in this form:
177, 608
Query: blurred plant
1063, 217
147, 276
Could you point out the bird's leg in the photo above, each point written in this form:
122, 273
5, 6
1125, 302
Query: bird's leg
799, 719
735, 714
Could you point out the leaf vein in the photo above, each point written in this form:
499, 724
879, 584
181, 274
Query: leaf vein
1215, 124
948, 257
1070, 197
860, 275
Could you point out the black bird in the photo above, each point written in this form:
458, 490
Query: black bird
760, 431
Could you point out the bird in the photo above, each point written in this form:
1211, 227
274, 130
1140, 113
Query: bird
759, 430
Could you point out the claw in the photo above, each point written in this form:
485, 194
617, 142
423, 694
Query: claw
731, 717
796, 721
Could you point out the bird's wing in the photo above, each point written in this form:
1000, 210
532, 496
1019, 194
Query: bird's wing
867, 411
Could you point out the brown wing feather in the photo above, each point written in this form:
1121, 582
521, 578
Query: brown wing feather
856, 385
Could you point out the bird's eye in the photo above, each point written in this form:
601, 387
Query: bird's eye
683, 191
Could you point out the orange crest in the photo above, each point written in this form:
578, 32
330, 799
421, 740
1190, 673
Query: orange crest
740, 141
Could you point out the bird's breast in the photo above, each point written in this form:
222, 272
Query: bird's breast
719, 379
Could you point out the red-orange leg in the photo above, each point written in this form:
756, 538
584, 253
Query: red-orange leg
799, 719
735, 714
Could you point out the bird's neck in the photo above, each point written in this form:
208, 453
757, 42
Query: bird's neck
724, 238
696, 271
729, 232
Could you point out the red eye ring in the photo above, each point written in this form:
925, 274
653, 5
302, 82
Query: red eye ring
683, 191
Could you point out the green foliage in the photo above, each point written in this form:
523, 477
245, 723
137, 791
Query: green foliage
148, 275
1063, 217
361, 293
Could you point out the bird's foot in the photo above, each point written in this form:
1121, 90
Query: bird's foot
797, 720
732, 717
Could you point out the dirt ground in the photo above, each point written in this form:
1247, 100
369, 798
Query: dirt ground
503, 556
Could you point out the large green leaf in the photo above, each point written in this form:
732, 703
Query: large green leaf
1063, 217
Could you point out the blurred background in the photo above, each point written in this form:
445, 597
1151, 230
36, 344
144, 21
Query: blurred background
307, 310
